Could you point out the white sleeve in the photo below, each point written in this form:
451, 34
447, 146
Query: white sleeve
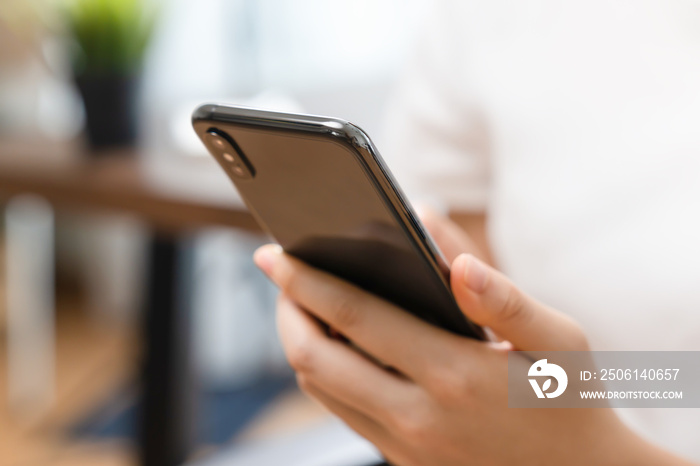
435, 134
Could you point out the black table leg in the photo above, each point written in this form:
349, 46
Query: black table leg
166, 426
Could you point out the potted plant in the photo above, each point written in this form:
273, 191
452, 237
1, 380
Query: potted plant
111, 37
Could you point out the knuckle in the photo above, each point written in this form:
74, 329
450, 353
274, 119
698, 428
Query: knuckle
409, 426
289, 278
450, 387
514, 308
288, 281
414, 425
302, 356
348, 312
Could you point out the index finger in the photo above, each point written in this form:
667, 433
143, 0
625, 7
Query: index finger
383, 330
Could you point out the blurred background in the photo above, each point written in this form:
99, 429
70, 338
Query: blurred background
134, 328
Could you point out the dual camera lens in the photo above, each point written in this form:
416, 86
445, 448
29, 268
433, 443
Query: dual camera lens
230, 155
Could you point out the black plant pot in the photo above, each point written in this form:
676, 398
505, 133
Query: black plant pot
110, 109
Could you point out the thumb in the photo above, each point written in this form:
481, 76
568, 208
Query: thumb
489, 299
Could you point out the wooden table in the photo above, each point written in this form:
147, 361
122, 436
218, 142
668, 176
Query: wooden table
70, 178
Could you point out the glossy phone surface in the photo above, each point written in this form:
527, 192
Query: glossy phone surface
318, 186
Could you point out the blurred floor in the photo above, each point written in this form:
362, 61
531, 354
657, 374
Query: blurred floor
92, 361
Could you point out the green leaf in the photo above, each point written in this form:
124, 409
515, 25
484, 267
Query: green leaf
111, 36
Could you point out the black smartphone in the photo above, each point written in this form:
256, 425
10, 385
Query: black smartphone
318, 186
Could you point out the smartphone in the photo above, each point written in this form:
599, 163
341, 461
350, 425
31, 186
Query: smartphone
319, 187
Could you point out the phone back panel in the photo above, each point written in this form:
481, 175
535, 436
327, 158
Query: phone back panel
318, 197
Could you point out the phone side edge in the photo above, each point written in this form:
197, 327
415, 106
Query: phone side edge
393, 193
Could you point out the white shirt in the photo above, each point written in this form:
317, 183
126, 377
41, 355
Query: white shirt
576, 126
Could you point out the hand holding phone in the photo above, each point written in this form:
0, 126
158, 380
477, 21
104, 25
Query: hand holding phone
318, 186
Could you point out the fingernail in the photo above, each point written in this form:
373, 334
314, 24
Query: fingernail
475, 274
266, 256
